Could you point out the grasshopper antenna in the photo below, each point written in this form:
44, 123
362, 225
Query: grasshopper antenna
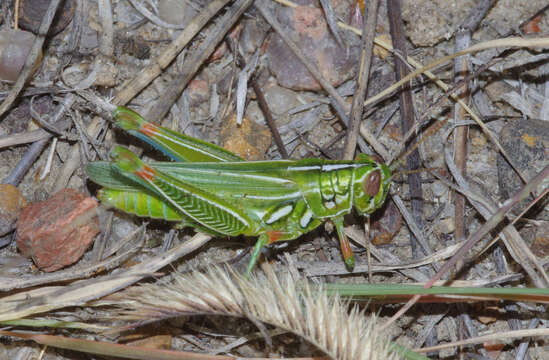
401, 155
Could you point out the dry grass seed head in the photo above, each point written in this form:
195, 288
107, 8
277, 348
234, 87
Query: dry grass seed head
324, 321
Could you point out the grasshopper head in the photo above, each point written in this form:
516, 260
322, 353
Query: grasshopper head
371, 184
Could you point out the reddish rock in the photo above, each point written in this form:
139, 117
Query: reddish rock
222, 48
317, 43
57, 232
218, 53
198, 91
11, 203
385, 224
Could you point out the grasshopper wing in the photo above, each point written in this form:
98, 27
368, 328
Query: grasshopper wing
101, 173
202, 207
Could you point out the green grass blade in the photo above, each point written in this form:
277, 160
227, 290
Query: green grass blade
398, 292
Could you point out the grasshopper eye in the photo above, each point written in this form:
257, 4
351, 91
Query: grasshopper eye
371, 183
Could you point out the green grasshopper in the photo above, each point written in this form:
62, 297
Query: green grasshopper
217, 192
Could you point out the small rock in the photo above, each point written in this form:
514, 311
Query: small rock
428, 23
218, 53
11, 203
15, 46
447, 225
57, 232
31, 13
379, 51
249, 140
107, 76
280, 100
541, 244
439, 189
479, 141
132, 45
317, 43
252, 36
176, 12
254, 113
385, 224
527, 144
222, 48
487, 319
198, 92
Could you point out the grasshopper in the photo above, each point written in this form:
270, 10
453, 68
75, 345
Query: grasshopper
217, 192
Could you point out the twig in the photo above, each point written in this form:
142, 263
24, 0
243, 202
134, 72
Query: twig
523, 347
412, 223
488, 226
100, 244
84, 136
516, 246
74, 38
46, 125
242, 86
23, 138
80, 292
153, 18
17, 174
130, 89
461, 70
262, 102
31, 91
16, 15
74, 161
339, 103
47, 167
8, 283
413, 160
269, 118
192, 64
329, 13
492, 222
476, 15
499, 336
106, 43
144, 78
357, 107
32, 57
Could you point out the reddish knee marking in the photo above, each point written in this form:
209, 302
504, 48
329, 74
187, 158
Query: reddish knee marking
274, 236
149, 129
146, 173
